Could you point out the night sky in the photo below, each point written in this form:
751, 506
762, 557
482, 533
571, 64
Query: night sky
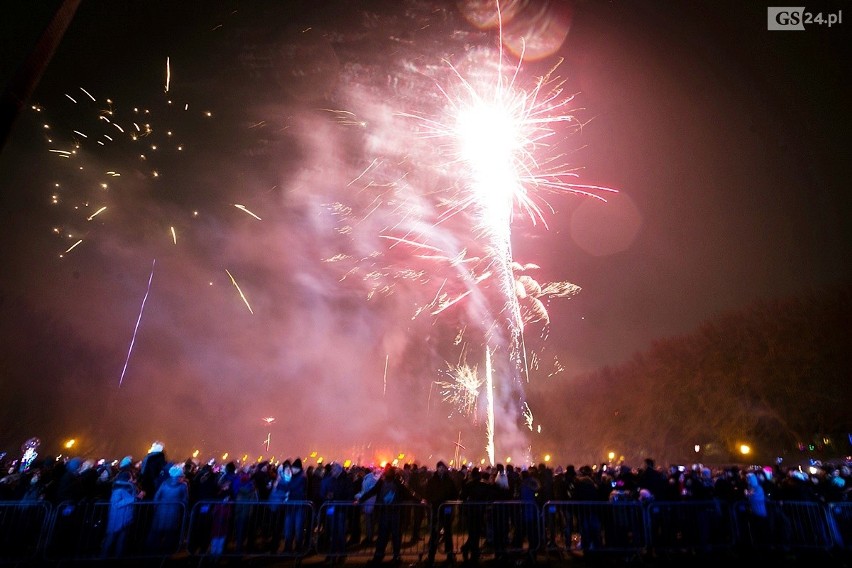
729, 146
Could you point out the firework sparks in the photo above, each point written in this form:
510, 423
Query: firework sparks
496, 130
90, 131
243, 296
138, 320
528, 416
464, 388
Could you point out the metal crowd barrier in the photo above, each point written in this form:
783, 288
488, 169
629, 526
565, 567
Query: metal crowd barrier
591, 527
794, 526
97, 530
690, 526
23, 528
500, 529
245, 528
841, 522
345, 529
30, 531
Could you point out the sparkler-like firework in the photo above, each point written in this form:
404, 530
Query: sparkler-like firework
463, 390
497, 131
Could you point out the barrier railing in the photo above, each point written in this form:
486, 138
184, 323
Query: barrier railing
23, 528
788, 526
585, 527
691, 526
841, 521
90, 530
344, 529
245, 528
500, 529
30, 531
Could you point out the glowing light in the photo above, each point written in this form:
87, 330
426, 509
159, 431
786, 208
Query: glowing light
70, 443
546, 458
611, 456
195, 453
168, 74
745, 449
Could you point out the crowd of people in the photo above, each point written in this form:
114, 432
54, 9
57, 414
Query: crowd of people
184, 483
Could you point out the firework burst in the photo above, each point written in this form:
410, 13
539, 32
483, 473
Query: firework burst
463, 389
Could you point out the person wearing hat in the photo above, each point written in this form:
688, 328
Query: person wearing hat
152, 472
121, 509
171, 499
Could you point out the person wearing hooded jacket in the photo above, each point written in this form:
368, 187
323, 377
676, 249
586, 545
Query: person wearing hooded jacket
290, 489
171, 498
390, 492
121, 508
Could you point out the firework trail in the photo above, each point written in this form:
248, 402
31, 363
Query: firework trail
237, 286
136, 327
489, 426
